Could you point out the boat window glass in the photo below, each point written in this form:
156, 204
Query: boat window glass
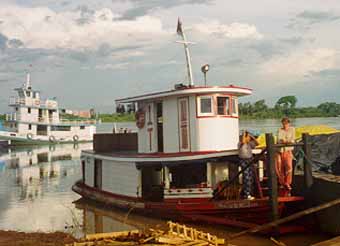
223, 105
28, 94
29, 127
60, 128
193, 175
234, 106
205, 105
82, 127
29, 110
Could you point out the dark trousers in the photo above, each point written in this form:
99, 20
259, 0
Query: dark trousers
247, 177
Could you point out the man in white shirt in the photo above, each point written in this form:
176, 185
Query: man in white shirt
284, 158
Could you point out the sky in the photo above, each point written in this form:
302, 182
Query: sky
88, 53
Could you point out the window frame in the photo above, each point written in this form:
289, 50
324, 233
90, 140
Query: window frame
212, 101
227, 108
234, 102
233, 99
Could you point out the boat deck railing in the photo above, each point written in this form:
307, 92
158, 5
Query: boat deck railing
33, 102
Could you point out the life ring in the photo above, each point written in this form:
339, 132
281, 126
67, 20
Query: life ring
75, 138
140, 118
29, 136
52, 139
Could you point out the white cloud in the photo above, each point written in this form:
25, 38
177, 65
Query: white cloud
41, 27
234, 30
296, 65
117, 66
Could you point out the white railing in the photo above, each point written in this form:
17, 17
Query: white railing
33, 102
11, 116
14, 101
77, 122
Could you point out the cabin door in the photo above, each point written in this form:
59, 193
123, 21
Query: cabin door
184, 131
98, 173
159, 109
152, 188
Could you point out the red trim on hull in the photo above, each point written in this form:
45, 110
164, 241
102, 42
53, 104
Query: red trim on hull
243, 212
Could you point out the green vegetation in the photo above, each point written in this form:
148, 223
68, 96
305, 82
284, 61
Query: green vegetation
123, 117
286, 106
72, 117
2, 117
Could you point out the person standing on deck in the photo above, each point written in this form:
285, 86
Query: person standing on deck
284, 158
246, 146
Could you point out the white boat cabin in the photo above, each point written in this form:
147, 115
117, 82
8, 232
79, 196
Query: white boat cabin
188, 119
34, 119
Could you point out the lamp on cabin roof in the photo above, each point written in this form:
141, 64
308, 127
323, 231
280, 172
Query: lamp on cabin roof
205, 69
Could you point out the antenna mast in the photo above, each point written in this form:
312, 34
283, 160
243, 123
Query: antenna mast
180, 32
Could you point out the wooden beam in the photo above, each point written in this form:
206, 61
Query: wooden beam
272, 178
307, 166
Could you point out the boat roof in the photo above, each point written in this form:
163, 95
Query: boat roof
187, 90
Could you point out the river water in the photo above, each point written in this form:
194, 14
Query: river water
35, 190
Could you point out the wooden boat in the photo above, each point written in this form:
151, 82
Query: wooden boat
185, 148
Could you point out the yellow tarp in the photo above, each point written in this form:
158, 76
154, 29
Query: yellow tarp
312, 130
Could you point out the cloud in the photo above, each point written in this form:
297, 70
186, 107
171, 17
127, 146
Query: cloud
299, 64
307, 18
140, 8
3, 42
41, 27
233, 31
117, 66
317, 16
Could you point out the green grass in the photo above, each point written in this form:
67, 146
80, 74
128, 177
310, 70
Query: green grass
117, 117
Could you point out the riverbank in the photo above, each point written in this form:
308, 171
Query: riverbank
14, 238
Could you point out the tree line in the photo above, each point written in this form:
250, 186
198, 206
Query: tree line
286, 106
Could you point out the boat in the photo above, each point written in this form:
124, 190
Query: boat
173, 167
37, 121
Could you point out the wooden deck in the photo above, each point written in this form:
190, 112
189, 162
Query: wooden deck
331, 242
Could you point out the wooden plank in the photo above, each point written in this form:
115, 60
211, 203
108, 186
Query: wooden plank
110, 235
331, 242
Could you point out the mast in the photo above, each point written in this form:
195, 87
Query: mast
186, 43
28, 80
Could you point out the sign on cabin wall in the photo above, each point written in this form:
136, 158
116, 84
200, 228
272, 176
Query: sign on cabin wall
183, 109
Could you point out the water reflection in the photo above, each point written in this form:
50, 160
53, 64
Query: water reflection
35, 187
96, 219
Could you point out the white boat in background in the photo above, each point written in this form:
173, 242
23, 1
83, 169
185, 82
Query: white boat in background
35, 121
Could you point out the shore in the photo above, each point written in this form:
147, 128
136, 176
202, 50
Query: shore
14, 238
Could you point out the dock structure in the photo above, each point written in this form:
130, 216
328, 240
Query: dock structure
176, 235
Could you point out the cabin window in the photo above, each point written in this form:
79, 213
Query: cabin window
205, 106
234, 107
29, 110
29, 127
28, 94
82, 127
223, 106
193, 175
60, 128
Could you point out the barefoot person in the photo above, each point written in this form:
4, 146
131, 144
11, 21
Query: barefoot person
284, 158
246, 145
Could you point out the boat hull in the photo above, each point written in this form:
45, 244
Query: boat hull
239, 213
19, 141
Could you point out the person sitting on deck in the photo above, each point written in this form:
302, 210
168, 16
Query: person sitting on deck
246, 145
284, 157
